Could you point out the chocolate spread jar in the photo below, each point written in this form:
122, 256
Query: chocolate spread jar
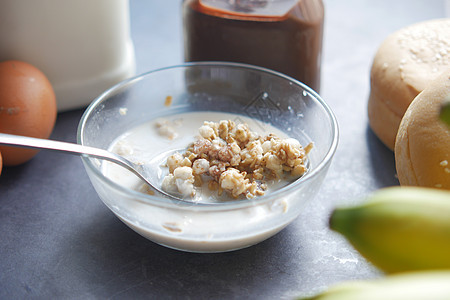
283, 35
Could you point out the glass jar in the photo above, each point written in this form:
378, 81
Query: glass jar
283, 35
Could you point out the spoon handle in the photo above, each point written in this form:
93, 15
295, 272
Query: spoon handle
71, 148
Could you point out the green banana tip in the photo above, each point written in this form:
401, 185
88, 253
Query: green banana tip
445, 112
336, 221
331, 219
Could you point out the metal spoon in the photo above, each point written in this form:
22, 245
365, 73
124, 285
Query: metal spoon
72, 148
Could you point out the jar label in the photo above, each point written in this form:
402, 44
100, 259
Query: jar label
252, 7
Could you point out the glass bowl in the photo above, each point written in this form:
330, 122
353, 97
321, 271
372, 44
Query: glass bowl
265, 96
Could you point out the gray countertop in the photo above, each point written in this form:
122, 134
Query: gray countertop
58, 240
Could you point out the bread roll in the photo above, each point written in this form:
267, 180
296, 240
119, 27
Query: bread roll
422, 147
406, 62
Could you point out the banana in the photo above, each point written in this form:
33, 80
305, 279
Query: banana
399, 228
433, 285
445, 112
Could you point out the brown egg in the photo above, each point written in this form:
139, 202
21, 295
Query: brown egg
27, 107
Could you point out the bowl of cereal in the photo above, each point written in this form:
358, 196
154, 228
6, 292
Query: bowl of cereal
252, 147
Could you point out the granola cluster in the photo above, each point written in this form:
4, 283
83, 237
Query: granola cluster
234, 159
